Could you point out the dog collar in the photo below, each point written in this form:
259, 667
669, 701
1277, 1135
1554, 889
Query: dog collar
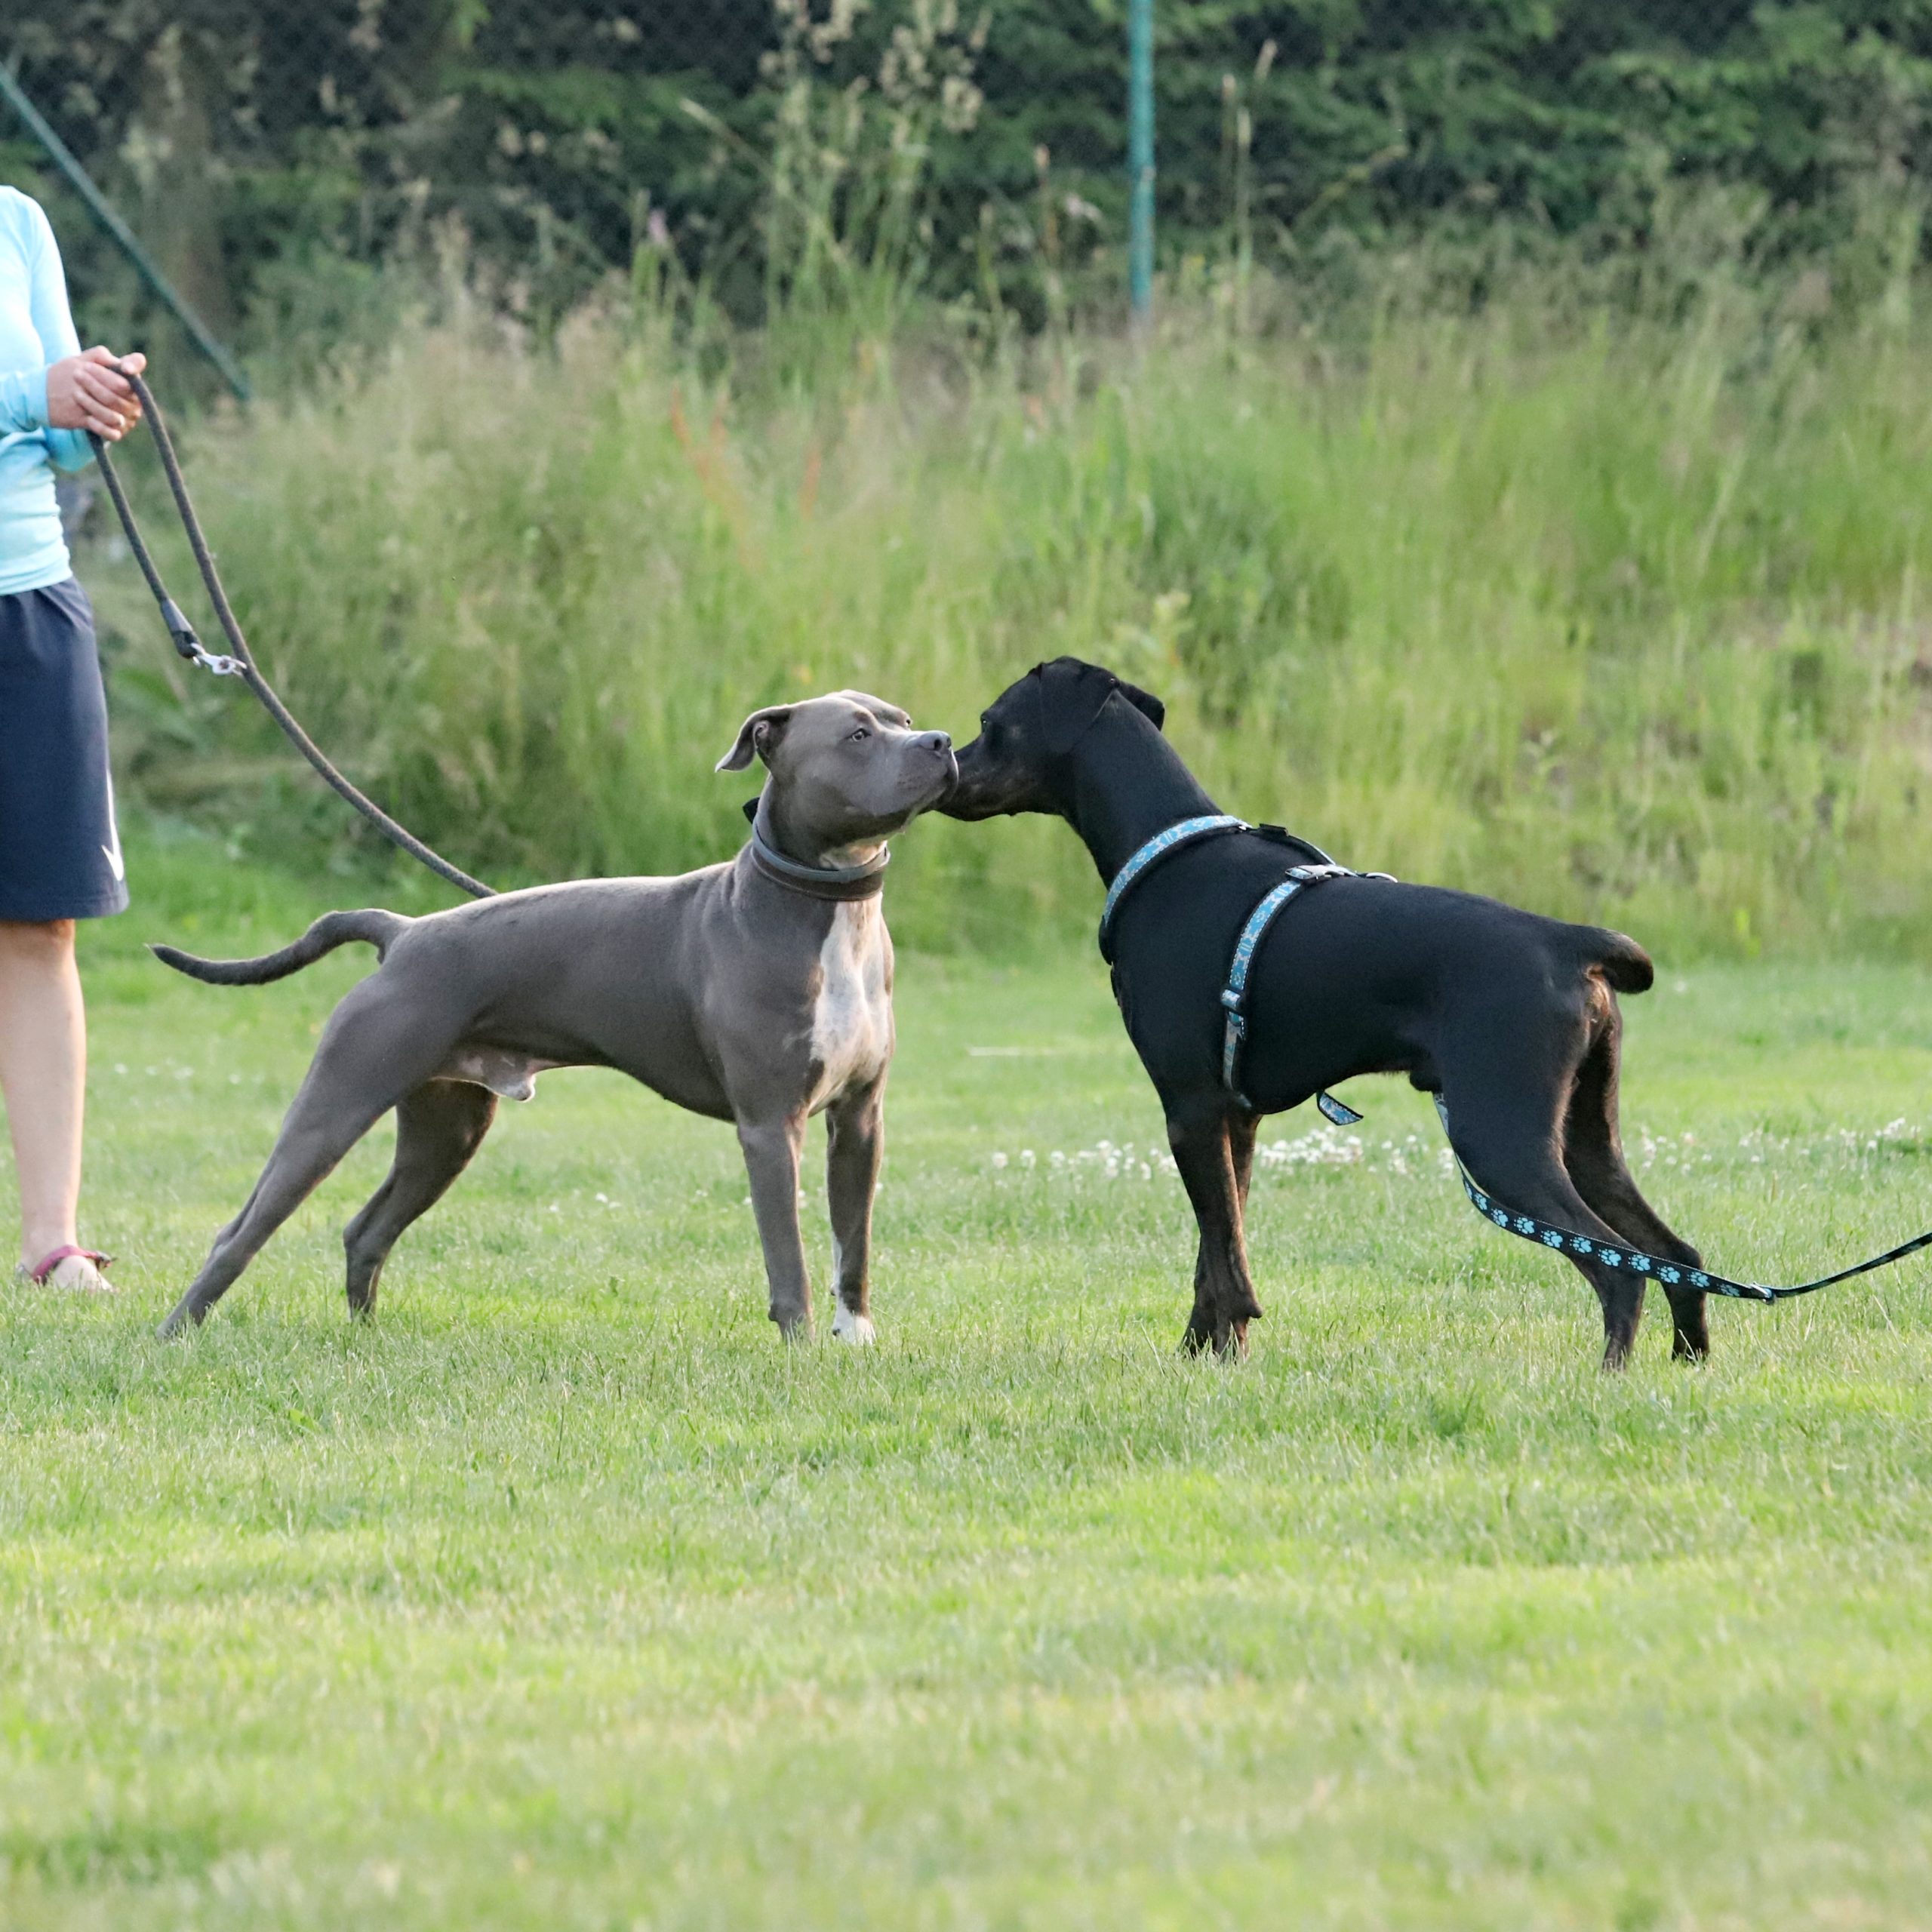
836, 882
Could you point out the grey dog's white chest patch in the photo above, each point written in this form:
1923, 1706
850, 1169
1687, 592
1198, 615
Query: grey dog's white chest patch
852, 1016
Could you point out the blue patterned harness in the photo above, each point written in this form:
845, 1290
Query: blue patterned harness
1234, 995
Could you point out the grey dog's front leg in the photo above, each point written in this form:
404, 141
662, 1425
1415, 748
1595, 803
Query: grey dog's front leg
854, 1146
771, 1148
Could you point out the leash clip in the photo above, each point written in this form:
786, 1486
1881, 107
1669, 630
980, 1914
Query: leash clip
180, 630
191, 647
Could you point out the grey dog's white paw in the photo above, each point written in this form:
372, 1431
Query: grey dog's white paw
856, 1329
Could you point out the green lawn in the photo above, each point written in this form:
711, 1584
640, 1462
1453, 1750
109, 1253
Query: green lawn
564, 1595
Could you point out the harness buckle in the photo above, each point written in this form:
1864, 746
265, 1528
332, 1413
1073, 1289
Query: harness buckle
1232, 998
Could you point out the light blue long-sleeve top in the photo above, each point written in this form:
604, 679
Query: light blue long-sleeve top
36, 329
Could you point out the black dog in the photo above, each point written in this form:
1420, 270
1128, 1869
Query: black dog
1510, 1018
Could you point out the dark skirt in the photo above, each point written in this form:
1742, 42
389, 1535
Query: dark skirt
60, 852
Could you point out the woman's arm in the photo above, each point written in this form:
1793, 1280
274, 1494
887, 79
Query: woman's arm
78, 393
69, 394
22, 401
54, 323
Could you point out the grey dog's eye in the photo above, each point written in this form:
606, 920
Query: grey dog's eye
860, 732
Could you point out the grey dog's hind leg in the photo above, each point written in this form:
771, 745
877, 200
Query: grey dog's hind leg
438, 1129
374, 1051
1593, 1154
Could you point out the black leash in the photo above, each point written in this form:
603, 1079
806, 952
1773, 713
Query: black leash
242, 664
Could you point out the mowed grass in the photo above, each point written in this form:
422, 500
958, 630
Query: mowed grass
564, 1594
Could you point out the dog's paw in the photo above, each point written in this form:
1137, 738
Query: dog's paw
856, 1329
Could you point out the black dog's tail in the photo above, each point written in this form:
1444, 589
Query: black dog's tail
1624, 964
373, 928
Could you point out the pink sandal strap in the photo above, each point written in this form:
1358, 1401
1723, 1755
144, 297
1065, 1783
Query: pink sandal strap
39, 1273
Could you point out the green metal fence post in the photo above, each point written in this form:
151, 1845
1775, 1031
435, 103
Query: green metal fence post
104, 211
1140, 158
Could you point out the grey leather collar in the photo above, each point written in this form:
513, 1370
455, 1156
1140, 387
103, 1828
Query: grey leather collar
838, 882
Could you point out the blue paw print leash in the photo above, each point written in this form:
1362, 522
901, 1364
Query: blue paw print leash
1671, 1274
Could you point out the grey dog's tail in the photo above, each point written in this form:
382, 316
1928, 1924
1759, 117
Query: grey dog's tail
373, 927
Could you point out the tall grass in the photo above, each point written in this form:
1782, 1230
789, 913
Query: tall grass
1617, 618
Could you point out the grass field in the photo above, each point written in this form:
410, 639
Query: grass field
566, 1596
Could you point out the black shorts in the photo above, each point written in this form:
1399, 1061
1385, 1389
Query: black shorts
60, 852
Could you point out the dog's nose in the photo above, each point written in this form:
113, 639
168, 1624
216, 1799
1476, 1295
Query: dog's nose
936, 741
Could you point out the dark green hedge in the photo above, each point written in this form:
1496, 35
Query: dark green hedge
252, 135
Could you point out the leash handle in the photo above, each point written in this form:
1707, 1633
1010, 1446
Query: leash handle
241, 664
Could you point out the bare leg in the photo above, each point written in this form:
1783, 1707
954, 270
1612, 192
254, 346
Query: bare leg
1224, 1301
771, 1149
856, 1129
438, 1129
1593, 1153
43, 1075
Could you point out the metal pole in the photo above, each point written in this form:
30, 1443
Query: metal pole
104, 211
1141, 159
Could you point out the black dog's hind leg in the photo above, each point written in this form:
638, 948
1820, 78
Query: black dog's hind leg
1201, 1135
1505, 1123
438, 1129
1593, 1153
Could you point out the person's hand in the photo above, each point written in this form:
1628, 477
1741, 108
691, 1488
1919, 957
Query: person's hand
87, 391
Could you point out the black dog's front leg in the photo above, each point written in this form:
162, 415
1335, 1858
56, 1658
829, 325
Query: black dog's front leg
1243, 1129
1224, 1301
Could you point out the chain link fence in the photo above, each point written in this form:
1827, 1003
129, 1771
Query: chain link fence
265, 150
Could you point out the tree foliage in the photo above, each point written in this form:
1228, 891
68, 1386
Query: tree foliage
565, 134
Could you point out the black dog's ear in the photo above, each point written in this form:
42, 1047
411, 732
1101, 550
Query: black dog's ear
1071, 695
759, 733
1146, 704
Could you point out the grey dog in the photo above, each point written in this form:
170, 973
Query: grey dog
758, 990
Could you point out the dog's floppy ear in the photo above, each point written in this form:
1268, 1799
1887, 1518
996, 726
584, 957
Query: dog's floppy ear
1071, 695
759, 733
1146, 704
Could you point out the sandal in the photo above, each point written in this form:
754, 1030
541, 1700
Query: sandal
74, 1270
